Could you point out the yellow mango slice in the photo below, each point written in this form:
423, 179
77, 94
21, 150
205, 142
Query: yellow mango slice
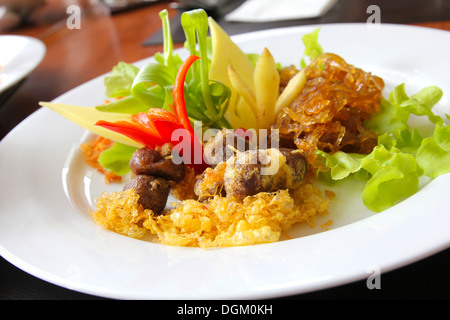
242, 89
86, 117
267, 83
292, 90
225, 53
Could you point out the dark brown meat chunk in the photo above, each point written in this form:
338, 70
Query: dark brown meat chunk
224, 145
153, 192
296, 162
154, 163
264, 171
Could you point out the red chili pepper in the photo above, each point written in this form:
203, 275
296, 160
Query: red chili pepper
178, 93
164, 122
162, 114
181, 112
149, 129
139, 133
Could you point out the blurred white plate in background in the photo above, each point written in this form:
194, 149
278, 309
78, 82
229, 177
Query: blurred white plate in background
19, 55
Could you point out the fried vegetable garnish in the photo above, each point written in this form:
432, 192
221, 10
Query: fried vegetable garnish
218, 222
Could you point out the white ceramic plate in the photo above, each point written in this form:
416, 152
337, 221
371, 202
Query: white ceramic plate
19, 55
47, 189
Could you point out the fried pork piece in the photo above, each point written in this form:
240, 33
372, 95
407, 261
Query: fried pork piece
264, 171
253, 171
224, 146
210, 183
153, 192
154, 173
157, 163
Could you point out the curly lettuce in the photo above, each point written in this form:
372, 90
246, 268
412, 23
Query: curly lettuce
312, 47
392, 170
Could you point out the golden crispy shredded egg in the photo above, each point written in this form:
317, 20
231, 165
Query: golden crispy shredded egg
120, 212
219, 222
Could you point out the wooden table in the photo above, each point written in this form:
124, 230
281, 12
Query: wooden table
78, 55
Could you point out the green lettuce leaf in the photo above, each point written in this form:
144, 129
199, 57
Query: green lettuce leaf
341, 164
391, 174
150, 83
393, 168
392, 121
394, 176
117, 158
118, 83
434, 153
389, 119
395, 112
312, 47
148, 86
421, 103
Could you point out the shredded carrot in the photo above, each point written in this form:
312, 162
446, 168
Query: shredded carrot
112, 100
92, 151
